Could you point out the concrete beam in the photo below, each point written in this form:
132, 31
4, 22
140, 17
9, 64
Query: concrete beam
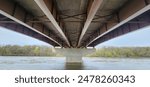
26, 31
48, 13
137, 23
132, 10
16, 13
92, 11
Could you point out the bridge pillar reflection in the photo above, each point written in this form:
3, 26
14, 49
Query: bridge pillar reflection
74, 55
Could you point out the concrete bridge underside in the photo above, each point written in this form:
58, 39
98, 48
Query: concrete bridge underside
74, 24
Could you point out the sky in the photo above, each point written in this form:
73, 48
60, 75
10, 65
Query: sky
137, 38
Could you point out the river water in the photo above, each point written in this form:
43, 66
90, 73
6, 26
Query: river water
58, 63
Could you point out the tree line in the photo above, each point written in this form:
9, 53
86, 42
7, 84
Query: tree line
122, 52
15, 50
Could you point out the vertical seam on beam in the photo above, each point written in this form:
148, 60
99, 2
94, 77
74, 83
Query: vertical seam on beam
106, 26
23, 30
146, 2
113, 34
129, 27
43, 28
14, 9
138, 24
122, 30
117, 32
52, 7
26, 14
118, 17
99, 32
33, 22
49, 33
109, 36
16, 27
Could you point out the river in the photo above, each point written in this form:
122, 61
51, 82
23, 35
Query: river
58, 63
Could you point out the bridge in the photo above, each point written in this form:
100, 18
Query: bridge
74, 25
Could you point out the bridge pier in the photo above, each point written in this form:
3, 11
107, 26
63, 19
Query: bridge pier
73, 55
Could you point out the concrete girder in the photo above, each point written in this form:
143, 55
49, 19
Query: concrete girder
18, 14
137, 7
91, 13
26, 31
47, 8
131, 26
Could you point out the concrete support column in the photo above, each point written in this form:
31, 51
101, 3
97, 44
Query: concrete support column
74, 55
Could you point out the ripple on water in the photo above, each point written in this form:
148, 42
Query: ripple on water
48, 63
7, 62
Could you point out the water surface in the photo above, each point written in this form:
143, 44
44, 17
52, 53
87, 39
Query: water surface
58, 63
